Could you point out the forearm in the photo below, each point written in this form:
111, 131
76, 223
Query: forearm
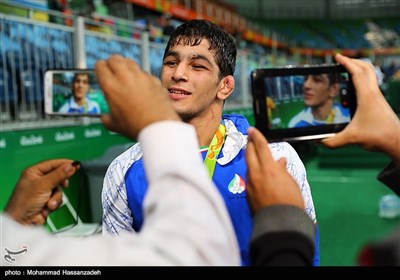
283, 235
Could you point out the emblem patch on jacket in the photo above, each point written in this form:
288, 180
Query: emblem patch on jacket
237, 185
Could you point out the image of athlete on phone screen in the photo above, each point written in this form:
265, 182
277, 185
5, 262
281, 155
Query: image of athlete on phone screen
79, 102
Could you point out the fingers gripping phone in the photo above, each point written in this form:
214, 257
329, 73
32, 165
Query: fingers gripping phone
73, 92
302, 103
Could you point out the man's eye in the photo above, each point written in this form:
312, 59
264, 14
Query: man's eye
169, 62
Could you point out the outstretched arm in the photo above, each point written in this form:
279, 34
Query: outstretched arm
283, 233
375, 126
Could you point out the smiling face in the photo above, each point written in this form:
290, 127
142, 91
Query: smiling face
198, 66
191, 76
80, 87
318, 90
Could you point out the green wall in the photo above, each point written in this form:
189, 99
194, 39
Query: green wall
24, 148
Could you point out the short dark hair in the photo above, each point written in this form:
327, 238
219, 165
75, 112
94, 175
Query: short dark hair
194, 31
80, 74
333, 78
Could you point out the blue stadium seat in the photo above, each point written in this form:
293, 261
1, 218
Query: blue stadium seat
132, 51
8, 44
156, 56
7, 93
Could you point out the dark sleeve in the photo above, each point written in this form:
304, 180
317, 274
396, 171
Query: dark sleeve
390, 176
384, 252
283, 235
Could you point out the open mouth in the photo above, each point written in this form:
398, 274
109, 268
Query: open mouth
178, 92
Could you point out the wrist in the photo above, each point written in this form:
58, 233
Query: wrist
13, 213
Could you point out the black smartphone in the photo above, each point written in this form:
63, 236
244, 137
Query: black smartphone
295, 103
73, 92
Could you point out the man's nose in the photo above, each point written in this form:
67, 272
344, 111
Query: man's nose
180, 72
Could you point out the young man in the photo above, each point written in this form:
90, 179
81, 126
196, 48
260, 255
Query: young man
79, 102
198, 67
320, 92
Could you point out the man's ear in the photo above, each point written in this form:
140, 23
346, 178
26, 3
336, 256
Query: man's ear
334, 90
227, 85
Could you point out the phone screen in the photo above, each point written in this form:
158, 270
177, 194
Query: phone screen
302, 103
74, 93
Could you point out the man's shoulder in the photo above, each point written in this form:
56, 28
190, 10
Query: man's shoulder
341, 111
280, 146
302, 116
239, 121
66, 106
233, 115
93, 102
282, 149
127, 158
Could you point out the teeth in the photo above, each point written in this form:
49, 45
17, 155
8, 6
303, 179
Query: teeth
177, 92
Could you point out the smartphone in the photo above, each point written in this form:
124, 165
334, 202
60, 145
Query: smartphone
73, 92
296, 103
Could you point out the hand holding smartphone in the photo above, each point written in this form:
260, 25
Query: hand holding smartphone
302, 103
73, 92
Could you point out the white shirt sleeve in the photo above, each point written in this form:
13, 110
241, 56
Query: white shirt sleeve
186, 220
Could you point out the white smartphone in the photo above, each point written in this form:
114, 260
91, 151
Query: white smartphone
73, 92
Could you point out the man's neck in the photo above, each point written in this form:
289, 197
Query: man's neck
79, 101
205, 129
321, 113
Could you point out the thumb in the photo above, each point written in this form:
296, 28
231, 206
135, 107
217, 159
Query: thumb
282, 162
59, 175
108, 122
335, 141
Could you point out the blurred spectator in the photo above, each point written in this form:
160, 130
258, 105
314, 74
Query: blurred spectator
378, 71
396, 76
57, 6
169, 28
238, 37
390, 71
154, 30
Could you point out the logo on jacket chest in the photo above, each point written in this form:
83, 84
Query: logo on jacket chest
237, 185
